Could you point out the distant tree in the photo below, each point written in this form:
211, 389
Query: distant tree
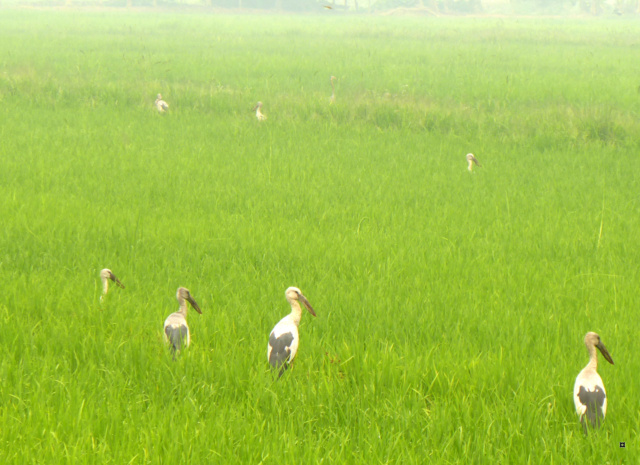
432, 4
628, 6
462, 5
592, 6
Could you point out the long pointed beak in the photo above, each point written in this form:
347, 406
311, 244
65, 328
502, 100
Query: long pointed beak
306, 304
113, 278
605, 352
194, 304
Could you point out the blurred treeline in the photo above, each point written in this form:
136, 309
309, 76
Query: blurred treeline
416, 7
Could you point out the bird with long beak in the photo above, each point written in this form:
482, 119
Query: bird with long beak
332, 99
106, 275
589, 395
259, 114
283, 340
471, 160
176, 330
160, 104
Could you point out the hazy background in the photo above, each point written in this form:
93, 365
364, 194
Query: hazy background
416, 7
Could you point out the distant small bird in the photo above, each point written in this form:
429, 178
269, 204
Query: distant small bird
589, 395
259, 114
328, 7
176, 330
471, 160
105, 276
283, 340
161, 105
332, 99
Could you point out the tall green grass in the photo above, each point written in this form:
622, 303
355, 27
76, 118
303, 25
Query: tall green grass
451, 305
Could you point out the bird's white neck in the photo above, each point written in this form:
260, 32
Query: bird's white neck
296, 312
183, 307
593, 358
259, 113
105, 286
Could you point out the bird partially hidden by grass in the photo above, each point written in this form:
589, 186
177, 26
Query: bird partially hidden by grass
259, 114
160, 104
471, 160
176, 330
283, 340
332, 99
589, 395
105, 276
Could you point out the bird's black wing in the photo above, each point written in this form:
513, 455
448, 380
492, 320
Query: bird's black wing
594, 401
280, 350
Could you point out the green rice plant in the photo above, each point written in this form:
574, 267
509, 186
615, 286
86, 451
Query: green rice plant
451, 305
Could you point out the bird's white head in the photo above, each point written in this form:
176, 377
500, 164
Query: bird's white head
592, 339
183, 294
107, 274
159, 97
294, 294
258, 105
470, 156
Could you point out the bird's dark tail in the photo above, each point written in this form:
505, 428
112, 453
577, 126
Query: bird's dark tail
176, 336
283, 367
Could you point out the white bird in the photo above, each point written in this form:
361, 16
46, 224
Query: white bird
332, 99
589, 395
176, 330
105, 276
161, 105
259, 114
471, 160
283, 340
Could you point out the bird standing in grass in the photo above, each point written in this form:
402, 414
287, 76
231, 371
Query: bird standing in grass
332, 99
176, 330
259, 115
160, 104
589, 395
283, 340
471, 160
106, 275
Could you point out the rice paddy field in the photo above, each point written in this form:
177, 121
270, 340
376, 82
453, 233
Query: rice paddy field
451, 306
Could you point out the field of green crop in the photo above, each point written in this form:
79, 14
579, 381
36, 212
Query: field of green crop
451, 305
